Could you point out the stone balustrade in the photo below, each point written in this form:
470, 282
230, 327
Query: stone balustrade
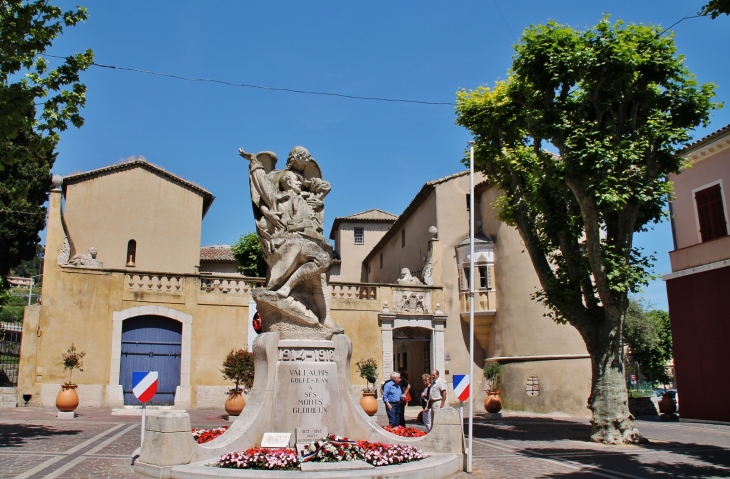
483, 301
354, 291
234, 285
154, 283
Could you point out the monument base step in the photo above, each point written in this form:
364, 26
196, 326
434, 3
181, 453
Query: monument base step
436, 466
160, 472
335, 466
8, 404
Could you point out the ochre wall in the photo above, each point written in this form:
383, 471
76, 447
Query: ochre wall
163, 217
352, 254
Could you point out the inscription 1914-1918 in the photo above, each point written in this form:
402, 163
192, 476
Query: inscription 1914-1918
310, 355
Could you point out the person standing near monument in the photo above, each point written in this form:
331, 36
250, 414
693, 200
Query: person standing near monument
437, 394
405, 396
392, 398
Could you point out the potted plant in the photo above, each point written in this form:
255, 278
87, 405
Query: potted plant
368, 370
68, 399
493, 374
238, 367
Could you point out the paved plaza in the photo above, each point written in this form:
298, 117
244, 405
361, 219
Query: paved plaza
34, 443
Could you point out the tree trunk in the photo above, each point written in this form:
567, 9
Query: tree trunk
612, 422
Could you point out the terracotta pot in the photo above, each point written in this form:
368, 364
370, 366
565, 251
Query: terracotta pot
369, 404
493, 403
668, 405
67, 399
235, 404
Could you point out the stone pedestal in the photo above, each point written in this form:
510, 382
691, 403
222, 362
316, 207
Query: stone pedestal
297, 384
66, 415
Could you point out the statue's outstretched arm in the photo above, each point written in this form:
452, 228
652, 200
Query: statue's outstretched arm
248, 156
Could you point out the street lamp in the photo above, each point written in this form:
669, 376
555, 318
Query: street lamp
469, 453
30, 291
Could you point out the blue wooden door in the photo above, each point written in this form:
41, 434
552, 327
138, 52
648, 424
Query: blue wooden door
151, 343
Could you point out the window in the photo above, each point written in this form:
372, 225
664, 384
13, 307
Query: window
131, 252
403, 238
484, 279
359, 236
381, 260
711, 213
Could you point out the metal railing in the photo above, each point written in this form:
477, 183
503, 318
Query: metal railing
10, 337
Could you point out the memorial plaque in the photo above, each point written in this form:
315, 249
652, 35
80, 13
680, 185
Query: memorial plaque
310, 434
276, 439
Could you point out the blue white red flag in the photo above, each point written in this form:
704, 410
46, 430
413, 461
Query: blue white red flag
461, 386
144, 385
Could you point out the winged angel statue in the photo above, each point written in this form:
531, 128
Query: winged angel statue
288, 206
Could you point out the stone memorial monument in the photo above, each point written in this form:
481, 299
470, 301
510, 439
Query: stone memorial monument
302, 358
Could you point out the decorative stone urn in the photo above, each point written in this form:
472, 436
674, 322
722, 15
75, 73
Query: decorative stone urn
493, 403
67, 399
235, 402
368, 403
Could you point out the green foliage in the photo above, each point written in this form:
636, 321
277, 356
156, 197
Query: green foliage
616, 101
31, 267
368, 369
648, 335
72, 360
716, 7
249, 255
28, 137
239, 368
493, 374
11, 307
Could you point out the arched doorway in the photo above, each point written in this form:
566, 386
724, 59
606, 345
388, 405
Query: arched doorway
151, 343
412, 352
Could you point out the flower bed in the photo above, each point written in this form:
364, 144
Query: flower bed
332, 449
257, 458
404, 431
202, 436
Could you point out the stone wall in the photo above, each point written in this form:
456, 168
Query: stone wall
646, 406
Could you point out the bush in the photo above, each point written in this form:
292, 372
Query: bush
493, 374
239, 368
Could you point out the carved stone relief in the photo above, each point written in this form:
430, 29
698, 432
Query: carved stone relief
411, 301
407, 279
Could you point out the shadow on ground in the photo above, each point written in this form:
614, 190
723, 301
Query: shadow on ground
544, 439
14, 435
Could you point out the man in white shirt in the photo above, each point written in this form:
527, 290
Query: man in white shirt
438, 394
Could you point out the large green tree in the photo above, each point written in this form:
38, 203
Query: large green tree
37, 102
615, 102
715, 8
249, 256
648, 335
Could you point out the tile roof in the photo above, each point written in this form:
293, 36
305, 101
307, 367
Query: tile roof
217, 253
373, 215
704, 140
140, 163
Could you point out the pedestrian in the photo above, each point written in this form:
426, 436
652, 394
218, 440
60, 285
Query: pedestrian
392, 399
436, 398
405, 399
426, 378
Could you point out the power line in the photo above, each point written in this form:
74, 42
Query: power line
261, 87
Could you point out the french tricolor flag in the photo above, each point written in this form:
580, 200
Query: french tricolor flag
461, 386
144, 385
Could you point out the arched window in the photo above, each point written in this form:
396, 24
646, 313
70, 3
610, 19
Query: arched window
131, 252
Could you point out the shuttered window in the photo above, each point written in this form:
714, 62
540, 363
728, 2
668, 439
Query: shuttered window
711, 213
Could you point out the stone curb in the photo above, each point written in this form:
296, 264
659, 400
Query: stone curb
436, 466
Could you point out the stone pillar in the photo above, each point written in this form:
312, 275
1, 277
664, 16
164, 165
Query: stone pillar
438, 347
167, 443
386, 320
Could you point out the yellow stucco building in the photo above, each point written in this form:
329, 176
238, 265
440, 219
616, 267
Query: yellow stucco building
126, 281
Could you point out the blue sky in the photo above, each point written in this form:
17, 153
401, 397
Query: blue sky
376, 154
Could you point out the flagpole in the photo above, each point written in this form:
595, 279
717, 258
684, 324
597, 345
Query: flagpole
144, 420
472, 392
